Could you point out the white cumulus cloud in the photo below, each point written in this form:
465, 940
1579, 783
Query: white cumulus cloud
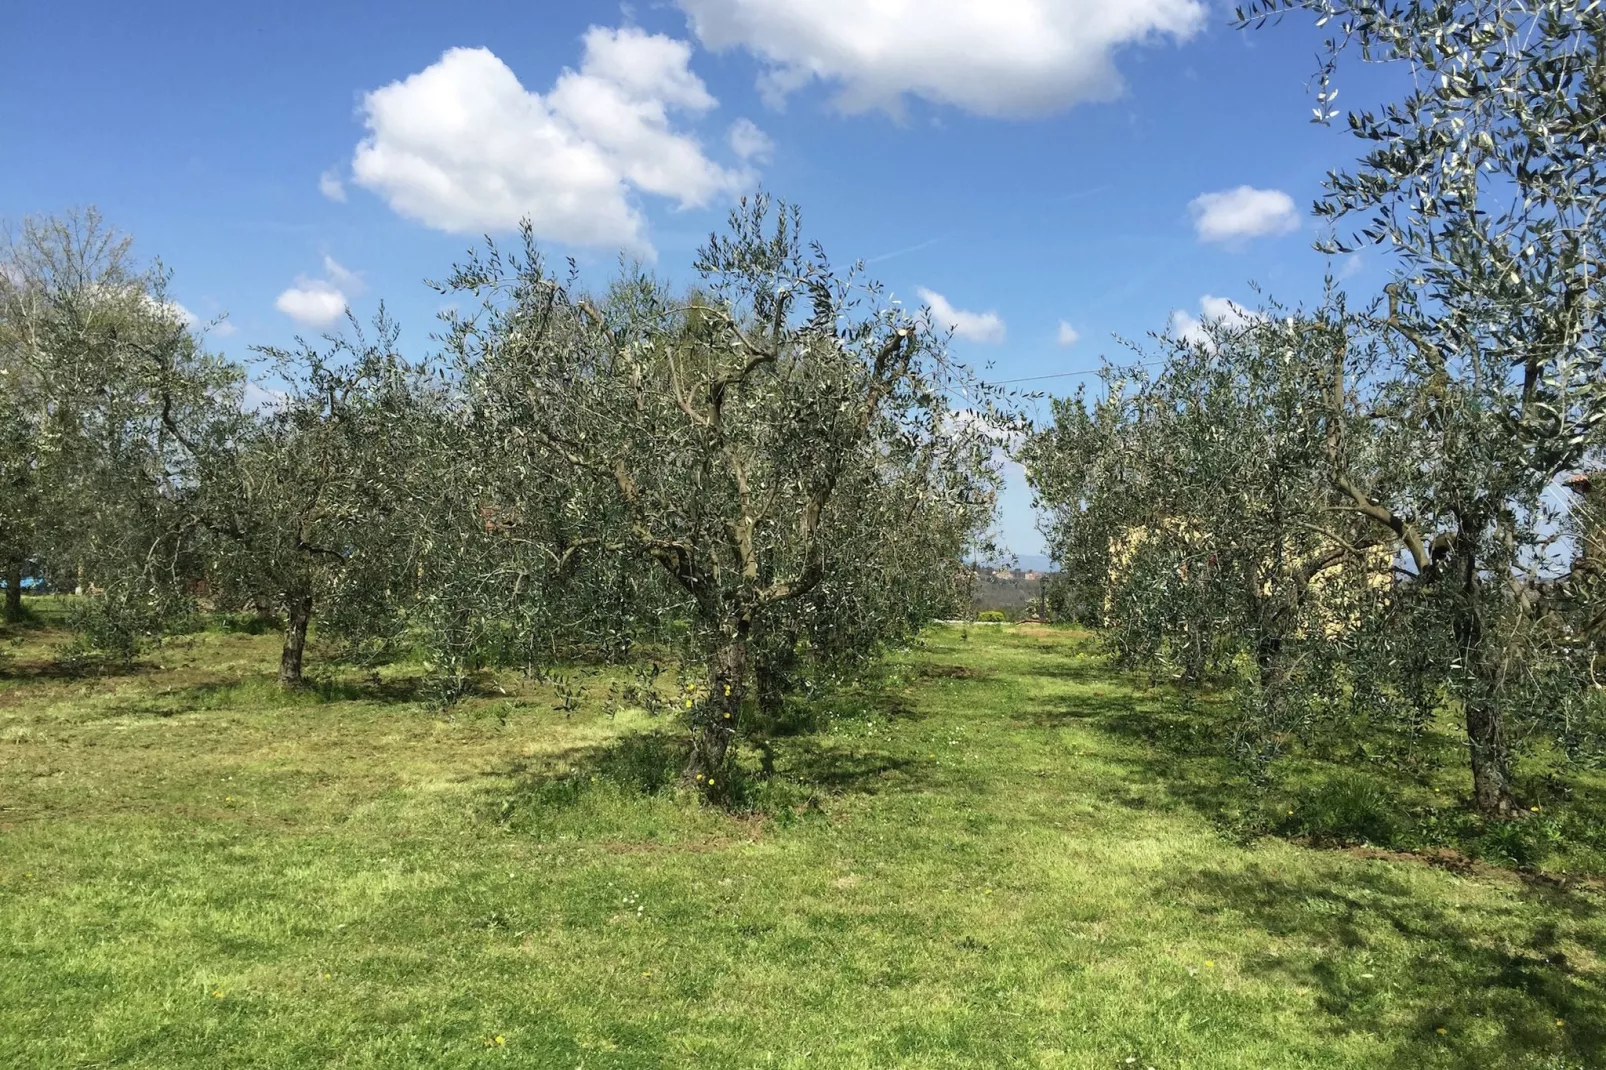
1068, 335
748, 142
174, 311
183, 317
330, 186
312, 303
990, 57
1213, 311
321, 302
984, 327
259, 397
342, 277
1236, 215
462, 146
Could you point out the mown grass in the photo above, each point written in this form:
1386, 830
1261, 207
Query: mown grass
1006, 855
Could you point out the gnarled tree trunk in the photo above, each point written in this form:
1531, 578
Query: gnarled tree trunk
714, 722
298, 613
1486, 737
1491, 783
14, 592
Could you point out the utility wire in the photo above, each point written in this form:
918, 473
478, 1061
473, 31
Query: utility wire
1067, 375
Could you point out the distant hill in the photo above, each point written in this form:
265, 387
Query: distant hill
1036, 563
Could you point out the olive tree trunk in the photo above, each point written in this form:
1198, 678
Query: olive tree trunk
298, 613
14, 593
1491, 781
714, 722
1486, 737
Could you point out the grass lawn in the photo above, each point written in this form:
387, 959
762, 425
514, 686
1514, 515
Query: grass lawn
1001, 859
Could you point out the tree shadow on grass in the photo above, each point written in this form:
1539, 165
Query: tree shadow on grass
837, 770
1176, 753
54, 669
1511, 984
313, 691
929, 670
640, 763
650, 763
1084, 670
258, 692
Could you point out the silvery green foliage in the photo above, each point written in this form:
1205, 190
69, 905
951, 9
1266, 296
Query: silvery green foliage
774, 444
1485, 184
1190, 508
102, 375
306, 507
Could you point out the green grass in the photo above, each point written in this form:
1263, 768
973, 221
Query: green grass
1006, 856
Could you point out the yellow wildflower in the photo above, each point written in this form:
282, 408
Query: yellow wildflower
500, 1039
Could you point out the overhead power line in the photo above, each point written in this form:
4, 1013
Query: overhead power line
1067, 375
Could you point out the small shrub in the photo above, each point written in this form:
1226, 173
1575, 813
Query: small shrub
991, 616
1347, 809
1523, 844
246, 623
108, 631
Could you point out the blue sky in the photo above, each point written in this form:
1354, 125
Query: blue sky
1101, 164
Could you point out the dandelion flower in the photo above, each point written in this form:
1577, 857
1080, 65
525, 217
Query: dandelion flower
1441, 1031
1210, 964
710, 781
727, 689
500, 1039
217, 995
1560, 1022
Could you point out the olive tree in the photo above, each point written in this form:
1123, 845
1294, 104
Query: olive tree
101, 372
1193, 509
730, 438
305, 503
510, 567
1484, 182
905, 529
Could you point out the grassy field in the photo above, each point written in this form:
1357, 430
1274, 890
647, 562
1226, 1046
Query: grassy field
1006, 855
